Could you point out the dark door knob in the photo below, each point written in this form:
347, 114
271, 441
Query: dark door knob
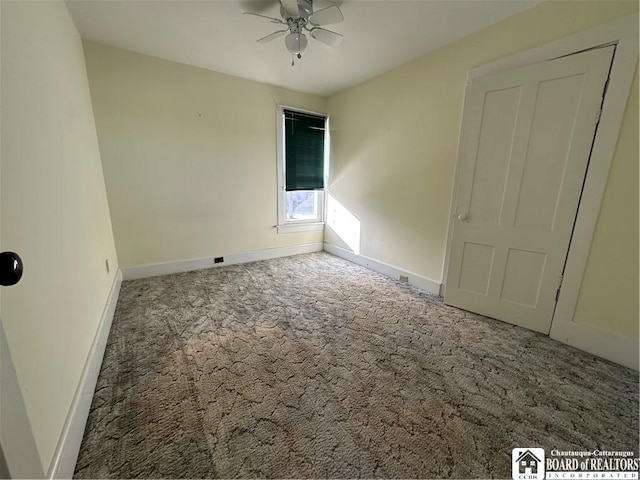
10, 268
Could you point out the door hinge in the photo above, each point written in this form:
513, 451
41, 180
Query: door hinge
598, 115
559, 287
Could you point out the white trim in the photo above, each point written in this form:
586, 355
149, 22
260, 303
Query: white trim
16, 436
280, 163
624, 33
180, 266
64, 459
392, 271
301, 110
300, 227
604, 344
327, 165
456, 176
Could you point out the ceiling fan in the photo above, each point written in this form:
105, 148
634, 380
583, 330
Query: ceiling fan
297, 17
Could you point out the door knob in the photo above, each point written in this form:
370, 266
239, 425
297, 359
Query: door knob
10, 268
462, 217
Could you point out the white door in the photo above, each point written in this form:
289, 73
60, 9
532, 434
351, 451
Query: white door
525, 152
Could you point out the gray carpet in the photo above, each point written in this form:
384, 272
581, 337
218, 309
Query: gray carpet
310, 366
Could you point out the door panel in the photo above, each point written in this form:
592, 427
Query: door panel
524, 157
522, 277
550, 138
492, 163
476, 265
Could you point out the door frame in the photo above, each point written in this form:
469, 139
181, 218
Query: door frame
624, 34
17, 441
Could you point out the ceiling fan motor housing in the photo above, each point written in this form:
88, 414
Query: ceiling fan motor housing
305, 10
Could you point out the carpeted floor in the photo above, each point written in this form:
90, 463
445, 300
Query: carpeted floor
310, 366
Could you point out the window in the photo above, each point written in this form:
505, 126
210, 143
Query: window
301, 170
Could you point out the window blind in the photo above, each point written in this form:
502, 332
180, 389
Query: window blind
304, 151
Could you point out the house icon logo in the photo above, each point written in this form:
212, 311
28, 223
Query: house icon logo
527, 463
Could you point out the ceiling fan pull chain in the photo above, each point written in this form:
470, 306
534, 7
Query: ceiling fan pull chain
293, 59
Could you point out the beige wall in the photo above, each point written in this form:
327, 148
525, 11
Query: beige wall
189, 157
394, 147
54, 211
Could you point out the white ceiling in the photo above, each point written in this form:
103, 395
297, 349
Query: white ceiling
378, 35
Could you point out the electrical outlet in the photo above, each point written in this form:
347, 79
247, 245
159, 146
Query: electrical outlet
404, 278
106, 264
218, 260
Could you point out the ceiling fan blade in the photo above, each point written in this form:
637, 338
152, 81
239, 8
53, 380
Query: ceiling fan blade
326, 36
273, 19
326, 16
290, 8
271, 36
259, 6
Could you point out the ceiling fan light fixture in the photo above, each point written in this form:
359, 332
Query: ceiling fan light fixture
296, 43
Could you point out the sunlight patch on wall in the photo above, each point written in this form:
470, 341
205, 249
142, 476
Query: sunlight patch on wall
344, 223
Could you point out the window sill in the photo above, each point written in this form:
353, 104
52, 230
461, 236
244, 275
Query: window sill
300, 227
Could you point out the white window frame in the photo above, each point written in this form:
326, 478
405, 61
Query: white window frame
290, 226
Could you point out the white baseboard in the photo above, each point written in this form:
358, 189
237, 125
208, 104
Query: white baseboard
180, 266
16, 435
64, 459
415, 279
618, 349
